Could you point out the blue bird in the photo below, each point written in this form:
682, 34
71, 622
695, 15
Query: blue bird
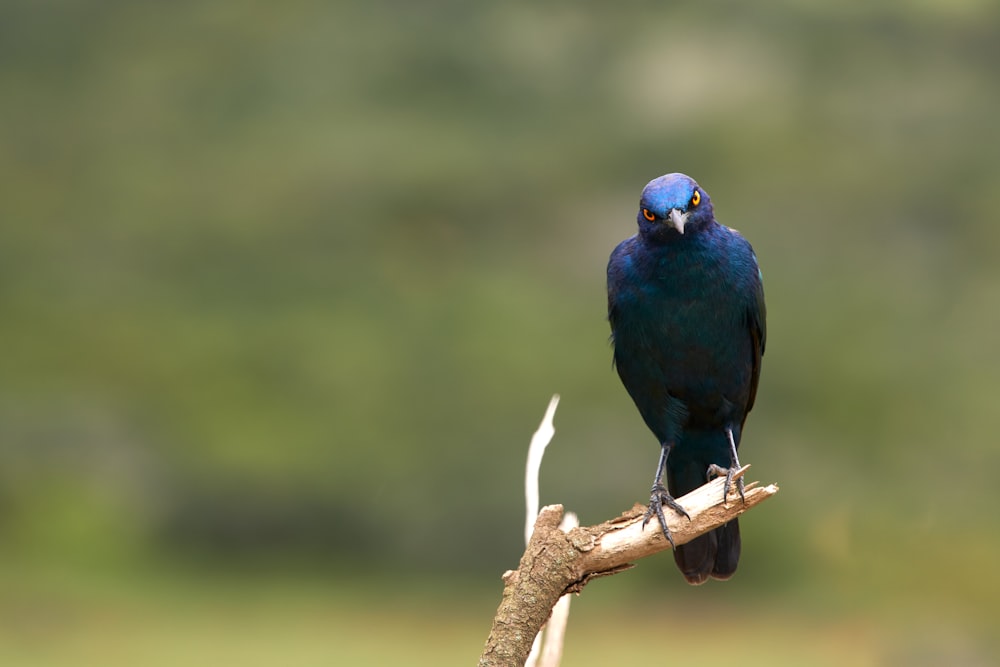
686, 307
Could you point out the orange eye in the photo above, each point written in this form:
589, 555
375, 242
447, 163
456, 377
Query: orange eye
646, 213
695, 198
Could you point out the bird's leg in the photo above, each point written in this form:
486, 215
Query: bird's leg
659, 496
734, 465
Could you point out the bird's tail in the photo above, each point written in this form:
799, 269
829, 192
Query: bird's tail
716, 553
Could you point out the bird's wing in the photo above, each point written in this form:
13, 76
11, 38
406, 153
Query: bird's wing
617, 264
757, 325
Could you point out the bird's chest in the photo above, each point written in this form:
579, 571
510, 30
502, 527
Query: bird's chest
683, 298
684, 312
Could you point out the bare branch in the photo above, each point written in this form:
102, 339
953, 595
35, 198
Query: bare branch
539, 441
536, 450
556, 563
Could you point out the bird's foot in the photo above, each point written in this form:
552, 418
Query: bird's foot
718, 471
657, 499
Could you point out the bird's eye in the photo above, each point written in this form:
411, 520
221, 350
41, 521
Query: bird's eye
695, 198
646, 213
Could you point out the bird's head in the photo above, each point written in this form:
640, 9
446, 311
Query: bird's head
673, 205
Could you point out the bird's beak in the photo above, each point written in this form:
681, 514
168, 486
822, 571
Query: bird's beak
678, 219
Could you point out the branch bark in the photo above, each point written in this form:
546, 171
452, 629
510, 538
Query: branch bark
556, 563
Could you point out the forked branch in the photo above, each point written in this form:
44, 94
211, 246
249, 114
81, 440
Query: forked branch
556, 563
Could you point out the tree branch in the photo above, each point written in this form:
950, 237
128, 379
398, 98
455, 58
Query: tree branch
556, 563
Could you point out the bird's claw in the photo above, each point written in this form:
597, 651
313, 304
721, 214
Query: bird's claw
718, 471
657, 499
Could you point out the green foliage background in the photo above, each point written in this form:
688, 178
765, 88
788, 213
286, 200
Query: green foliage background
286, 288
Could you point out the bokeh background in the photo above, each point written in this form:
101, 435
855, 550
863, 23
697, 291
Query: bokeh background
286, 287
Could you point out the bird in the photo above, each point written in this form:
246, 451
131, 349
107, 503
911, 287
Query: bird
688, 330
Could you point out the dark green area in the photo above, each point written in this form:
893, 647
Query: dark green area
288, 285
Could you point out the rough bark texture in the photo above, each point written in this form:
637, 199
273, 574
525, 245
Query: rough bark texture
556, 563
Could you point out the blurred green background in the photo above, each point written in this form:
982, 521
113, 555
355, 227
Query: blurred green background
286, 288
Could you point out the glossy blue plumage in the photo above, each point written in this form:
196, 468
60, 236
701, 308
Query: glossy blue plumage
686, 307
